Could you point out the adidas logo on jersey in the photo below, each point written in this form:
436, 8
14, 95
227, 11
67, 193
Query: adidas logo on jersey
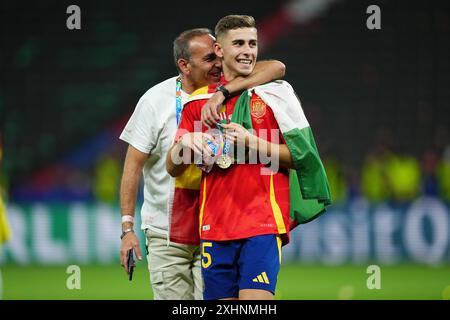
262, 278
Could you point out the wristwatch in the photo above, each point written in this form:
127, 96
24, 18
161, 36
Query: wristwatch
224, 90
124, 232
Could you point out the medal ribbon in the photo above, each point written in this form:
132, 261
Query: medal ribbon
226, 143
178, 102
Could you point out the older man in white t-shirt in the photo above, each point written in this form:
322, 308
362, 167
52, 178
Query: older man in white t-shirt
175, 269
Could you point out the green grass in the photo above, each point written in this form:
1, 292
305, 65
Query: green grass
350, 282
295, 282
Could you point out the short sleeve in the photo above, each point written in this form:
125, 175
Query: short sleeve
143, 128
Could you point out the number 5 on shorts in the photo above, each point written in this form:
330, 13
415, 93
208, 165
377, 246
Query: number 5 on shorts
206, 257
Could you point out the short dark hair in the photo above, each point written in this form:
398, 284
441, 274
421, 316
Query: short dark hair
232, 22
182, 42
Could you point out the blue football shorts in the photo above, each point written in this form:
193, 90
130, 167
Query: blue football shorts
230, 266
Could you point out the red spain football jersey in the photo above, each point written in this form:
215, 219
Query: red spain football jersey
241, 202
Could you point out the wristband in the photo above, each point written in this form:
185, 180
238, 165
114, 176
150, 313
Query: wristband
127, 218
224, 90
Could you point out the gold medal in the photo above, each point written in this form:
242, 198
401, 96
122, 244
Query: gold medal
224, 161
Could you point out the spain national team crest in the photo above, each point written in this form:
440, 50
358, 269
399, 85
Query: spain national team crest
258, 109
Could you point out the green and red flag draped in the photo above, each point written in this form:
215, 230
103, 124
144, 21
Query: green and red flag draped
308, 183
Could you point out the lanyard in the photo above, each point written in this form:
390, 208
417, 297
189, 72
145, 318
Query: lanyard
178, 103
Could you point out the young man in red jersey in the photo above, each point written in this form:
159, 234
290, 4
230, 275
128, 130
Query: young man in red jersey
243, 213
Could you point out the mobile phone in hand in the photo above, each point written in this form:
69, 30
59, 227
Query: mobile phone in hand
130, 264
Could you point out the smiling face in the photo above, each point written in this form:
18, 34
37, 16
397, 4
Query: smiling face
203, 65
238, 49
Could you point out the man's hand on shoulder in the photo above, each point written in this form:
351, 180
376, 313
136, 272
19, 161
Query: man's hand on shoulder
210, 111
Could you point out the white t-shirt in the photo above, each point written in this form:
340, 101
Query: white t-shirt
151, 129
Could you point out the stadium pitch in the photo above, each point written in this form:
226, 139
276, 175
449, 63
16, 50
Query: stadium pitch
295, 282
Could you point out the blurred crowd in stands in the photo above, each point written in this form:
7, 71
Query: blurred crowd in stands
384, 175
388, 174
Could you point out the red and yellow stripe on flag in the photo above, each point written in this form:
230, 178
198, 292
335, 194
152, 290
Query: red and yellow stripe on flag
184, 221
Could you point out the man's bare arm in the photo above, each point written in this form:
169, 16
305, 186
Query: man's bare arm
132, 170
264, 71
172, 168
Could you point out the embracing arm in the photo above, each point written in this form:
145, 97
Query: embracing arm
264, 71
